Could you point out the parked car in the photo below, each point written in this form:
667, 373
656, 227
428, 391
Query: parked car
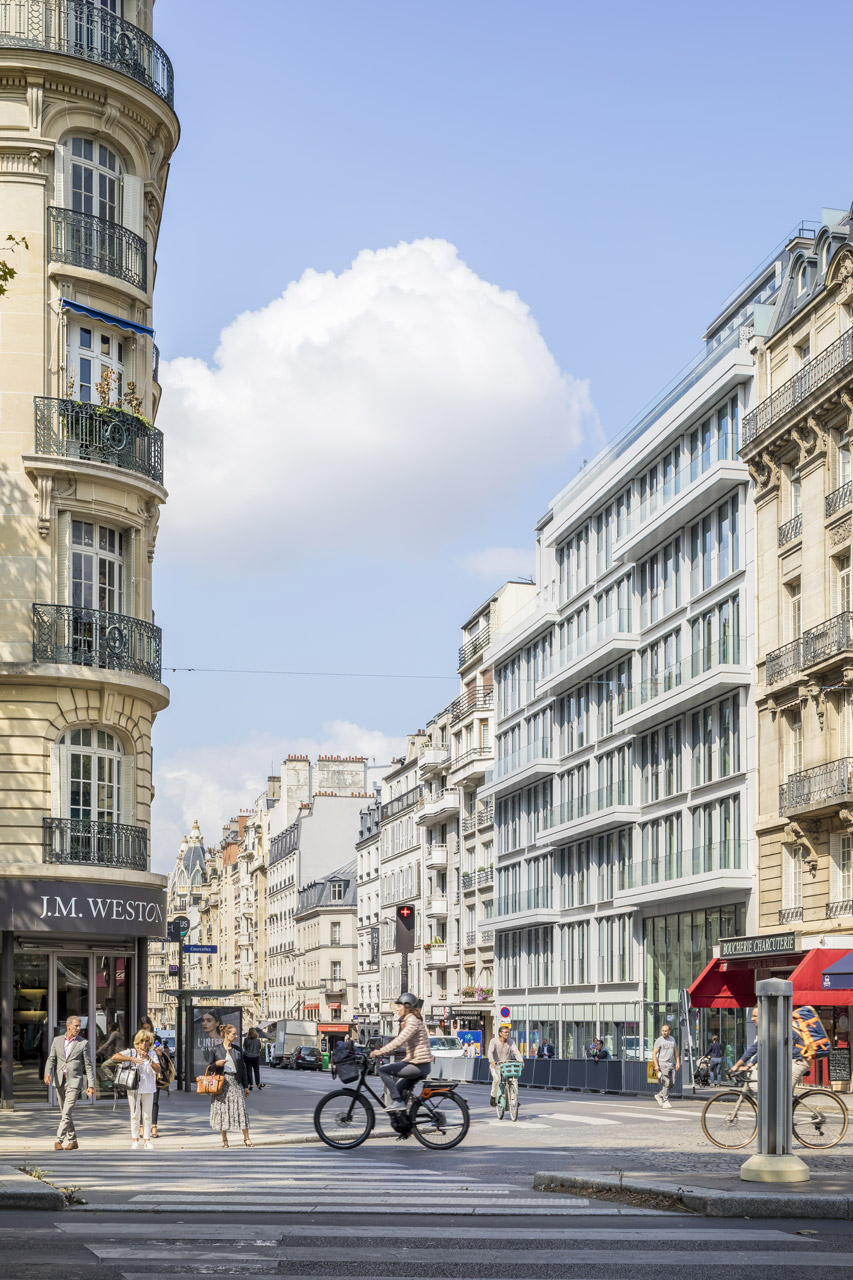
307, 1058
284, 1059
633, 1048
447, 1047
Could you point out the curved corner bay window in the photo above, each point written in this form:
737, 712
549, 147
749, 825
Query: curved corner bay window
94, 775
95, 365
97, 578
95, 179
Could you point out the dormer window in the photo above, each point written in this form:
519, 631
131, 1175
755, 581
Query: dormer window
826, 250
802, 278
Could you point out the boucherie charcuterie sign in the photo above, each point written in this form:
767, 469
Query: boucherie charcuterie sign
76, 906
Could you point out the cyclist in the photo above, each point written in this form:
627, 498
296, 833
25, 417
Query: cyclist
502, 1049
414, 1039
800, 1063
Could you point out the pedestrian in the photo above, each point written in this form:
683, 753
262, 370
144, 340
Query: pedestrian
502, 1049
69, 1059
715, 1059
165, 1071
666, 1061
228, 1108
252, 1046
598, 1053
141, 1099
545, 1050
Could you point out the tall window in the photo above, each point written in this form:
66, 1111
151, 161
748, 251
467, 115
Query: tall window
845, 598
92, 758
95, 179
97, 577
336, 934
94, 356
795, 741
795, 609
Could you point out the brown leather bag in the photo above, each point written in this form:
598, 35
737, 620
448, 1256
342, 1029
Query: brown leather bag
209, 1083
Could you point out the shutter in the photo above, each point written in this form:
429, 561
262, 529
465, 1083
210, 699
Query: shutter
63, 556
128, 790
834, 868
128, 603
133, 212
61, 175
58, 781
787, 877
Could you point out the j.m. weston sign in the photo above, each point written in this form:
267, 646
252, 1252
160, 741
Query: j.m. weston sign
53, 906
768, 944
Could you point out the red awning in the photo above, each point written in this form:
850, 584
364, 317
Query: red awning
327, 1028
334, 1004
721, 987
808, 978
313, 1006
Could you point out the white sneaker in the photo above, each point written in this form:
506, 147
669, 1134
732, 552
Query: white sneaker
396, 1106
658, 1099
134, 1146
667, 1104
149, 1146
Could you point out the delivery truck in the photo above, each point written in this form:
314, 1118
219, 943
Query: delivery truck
290, 1033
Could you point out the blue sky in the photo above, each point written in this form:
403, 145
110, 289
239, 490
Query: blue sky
606, 175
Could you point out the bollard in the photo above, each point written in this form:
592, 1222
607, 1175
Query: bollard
775, 1161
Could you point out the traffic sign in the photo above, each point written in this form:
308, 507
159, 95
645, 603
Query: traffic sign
177, 928
198, 948
504, 1012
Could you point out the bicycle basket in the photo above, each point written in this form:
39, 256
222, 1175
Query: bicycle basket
511, 1070
347, 1063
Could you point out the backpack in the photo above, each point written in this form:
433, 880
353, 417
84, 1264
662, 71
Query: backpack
347, 1061
806, 1022
167, 1073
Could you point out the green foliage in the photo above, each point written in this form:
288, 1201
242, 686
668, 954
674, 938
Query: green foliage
7, 271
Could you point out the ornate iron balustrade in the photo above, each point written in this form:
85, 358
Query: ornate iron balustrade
486, 815
839, 499
99, 844
84, 30
73, 429
83, 240
790, 530
790, 915
784, 662
479, 700
797, 389
96, 638
824, 782
830, 638
474, 646
842, 908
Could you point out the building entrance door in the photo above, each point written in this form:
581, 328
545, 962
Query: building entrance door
31, 1026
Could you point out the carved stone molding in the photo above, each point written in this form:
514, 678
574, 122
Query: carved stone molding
765, 472
35, 103
151, 511
815, 692
841, 533
45, 487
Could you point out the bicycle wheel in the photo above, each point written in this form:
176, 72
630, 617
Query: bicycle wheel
513, 1099
500, 1101
441, 1121
820, 1118
730, 1120
343, 1119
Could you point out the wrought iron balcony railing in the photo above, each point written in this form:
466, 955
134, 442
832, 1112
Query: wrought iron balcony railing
82, 240
81, 29
74, 429
838, 499
96, 638
797, 389
811, 786
836, 909
790, 915
790, 530
829, 640
477, 700
99, 844
474, 646
783, 662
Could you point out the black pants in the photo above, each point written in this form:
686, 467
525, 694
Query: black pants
155, 1106
396, 1073
253, 1066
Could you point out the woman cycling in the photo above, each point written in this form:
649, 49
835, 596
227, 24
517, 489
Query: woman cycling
414, 1039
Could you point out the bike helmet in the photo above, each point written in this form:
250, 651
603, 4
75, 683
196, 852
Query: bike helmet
408, 999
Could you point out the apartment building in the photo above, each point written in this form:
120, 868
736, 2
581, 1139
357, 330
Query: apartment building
186, 887
367, 919
401, 878
87, 127
325, 953
623, 786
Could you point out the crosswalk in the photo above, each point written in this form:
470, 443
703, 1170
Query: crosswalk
136, 1251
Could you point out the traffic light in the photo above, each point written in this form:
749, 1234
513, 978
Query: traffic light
405, 941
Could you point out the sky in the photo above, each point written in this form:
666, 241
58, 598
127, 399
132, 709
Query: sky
418, 261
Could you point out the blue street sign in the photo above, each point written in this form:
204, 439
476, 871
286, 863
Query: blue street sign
196, 947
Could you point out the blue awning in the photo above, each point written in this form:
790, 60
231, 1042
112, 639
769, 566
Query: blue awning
105, 318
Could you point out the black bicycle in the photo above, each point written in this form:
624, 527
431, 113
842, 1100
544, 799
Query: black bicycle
437, 1116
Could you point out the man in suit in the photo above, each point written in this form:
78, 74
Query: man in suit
67, 1061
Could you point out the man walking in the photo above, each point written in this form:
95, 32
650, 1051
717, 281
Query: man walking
67, 1061
715, 1059
666, 1060
500, 1050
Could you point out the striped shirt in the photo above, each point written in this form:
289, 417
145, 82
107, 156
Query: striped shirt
414, 1038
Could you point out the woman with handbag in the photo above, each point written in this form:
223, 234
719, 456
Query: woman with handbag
165, 1070
138, 1075
228, 1107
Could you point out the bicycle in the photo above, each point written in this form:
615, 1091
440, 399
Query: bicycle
437, 1116
730, 1120
507, 1095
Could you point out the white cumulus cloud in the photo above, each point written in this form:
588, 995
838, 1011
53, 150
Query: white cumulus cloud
500, 563
355, 406
214, 782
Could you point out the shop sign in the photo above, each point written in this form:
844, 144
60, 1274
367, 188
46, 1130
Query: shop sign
74, 906
767, 944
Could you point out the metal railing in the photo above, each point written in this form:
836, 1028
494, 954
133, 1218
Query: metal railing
676, 864
842, 908
730, 651
80, 29
784, 662
474, 646
790, 915
828, 640
797, 389
723, 448
392, 807
477, 700
539, 750
92, 433
473, 753
790, 530
524, 900
99, 844
838, 499
447, 797
486, 815
588, 802
471, 938
824, 782
96, 638
472, 878
82, 240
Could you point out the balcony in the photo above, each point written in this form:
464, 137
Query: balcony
81, 29
440, 804
838, 499
791, 530
435, 957
793, 394
469, 703
790, 915
613, 803
686, 873
472, 647
662, 693
90, 433
535, 760
835, 910
433, 760
436, 857
79, 842
333, 987
474, 879
525, 902
436, 908
816, 647
825, 787
471, 763
610, 639
82, 240
96, 638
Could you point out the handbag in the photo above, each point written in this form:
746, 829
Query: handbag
166, 1072
126, 1077
209, 1083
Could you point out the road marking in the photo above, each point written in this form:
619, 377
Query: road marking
593, 1120
263, 1234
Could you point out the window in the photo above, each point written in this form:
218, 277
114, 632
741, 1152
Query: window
337, 891
337, 971
802, 353
97, 569
795, 740
796, 494
841, 869
660, 583
843, 462
802, 278
825, 252
336, 934
86, 779
95, 363
95, 179
844, 599
795, 609
792, 877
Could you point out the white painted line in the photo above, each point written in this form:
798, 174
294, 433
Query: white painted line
229, 1232
593, 1120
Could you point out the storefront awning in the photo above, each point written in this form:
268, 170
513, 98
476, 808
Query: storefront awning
817, 980
720, 986
334, 1004
330, 1028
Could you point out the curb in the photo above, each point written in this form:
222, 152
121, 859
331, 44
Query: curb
704, 1200
20, 1191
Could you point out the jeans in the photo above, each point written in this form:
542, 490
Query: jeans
667, 1082
141, 1108
714, 1067
253, 1066
393, 1073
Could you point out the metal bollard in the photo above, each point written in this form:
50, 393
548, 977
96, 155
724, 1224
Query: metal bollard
775, 1161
